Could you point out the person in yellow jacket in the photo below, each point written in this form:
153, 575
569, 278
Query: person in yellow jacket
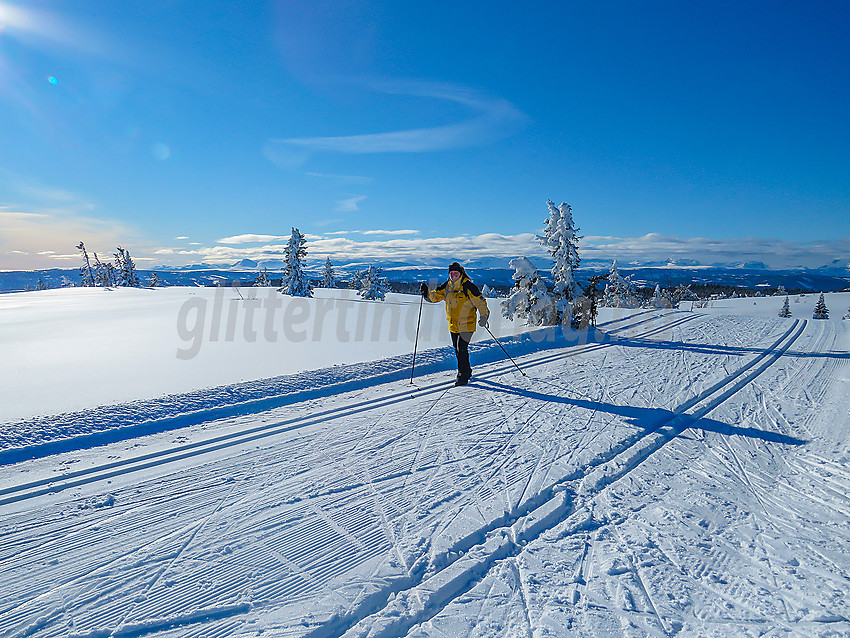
462, 299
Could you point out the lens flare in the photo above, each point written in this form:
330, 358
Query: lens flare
53, 80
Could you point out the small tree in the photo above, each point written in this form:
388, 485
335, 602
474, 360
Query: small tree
529, 300
104, 273
821, 311
660, 299
85, 270
486, 291
846, 315
262, 280
126, 269
294, 282
373, 285
66, 283
620, 291
785, 313
357, 280
781, 291
328, 275
40, 285
153, 280
586, 307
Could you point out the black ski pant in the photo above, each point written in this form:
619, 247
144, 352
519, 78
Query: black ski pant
460, 341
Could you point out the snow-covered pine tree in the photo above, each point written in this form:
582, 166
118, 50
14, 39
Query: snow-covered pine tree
660, 299
786, 309
85, 270
153, 280
847, 314
821, 311
781, 291
586, 307
126, 269
328, 275
40, 285
486, 291
620, 291
104, 273
262, 280
357, 280
372, 285
294, 281
529, 298
560, 240
66, 283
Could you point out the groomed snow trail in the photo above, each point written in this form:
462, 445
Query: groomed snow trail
688, 477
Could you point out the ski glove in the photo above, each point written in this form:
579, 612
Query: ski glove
424, 290
484, 322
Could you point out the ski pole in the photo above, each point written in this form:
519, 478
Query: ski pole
505, 351
416, 341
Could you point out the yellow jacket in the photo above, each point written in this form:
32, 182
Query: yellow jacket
462, 298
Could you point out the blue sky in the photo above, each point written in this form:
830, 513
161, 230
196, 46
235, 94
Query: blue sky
202, 131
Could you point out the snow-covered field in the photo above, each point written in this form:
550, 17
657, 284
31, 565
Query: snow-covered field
676, 473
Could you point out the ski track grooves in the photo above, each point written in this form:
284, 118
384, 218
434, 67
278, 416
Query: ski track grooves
423, 594
17, 493
428, 589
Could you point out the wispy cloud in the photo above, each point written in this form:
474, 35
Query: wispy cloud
250, 239
372, 232
349, 205
341, 247
46, 230
772, 252
494, 118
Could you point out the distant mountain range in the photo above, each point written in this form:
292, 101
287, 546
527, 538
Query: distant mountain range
837, 267
493, 272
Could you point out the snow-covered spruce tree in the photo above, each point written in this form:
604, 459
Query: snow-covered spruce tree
126, 269
560, 240
66, 283
262, 280
780, 290
104, 274
786, 309
620, 291
660, 299
529, 298
586, 307
357, 280
847, 314
85, 270
372, 285
821, 311
153, 280
486, 291
40, 285
328, 275
294, 281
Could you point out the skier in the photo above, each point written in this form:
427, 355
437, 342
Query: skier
462, 299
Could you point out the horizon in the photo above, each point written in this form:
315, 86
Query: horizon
205, 131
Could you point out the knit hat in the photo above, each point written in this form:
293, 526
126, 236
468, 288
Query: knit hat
455, 266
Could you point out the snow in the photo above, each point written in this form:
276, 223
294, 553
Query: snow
674, 473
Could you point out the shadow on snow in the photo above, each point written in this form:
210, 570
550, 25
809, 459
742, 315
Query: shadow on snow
648, 419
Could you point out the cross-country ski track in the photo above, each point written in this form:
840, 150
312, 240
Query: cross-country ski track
684, 474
